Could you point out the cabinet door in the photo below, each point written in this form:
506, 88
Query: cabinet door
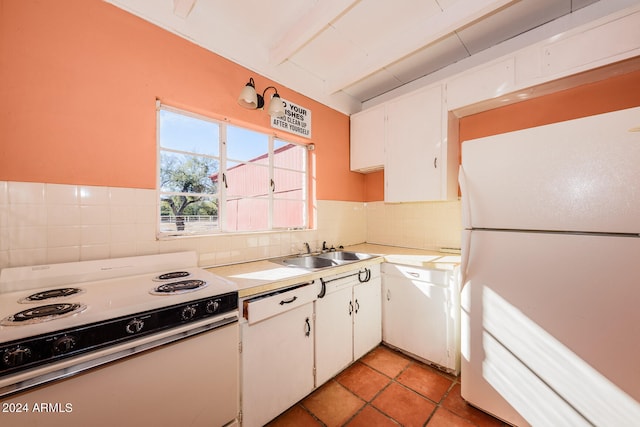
415, 318
277, 364
367, 331
413, 161
367, 139
333, 333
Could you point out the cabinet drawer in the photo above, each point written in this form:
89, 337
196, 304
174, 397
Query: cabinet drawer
265, 306
436, 277
339, 281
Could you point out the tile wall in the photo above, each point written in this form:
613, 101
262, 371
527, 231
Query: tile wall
428, 225
50, 223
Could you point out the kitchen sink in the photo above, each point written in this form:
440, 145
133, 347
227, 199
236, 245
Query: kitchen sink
306, 261
322, 260
344, 256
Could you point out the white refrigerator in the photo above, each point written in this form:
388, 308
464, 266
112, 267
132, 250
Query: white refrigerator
551, 273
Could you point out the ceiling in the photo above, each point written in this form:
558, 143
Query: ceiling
345, 52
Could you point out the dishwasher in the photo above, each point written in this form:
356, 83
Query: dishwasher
420, 314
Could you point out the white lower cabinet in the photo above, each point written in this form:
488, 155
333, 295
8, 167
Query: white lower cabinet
295, 340
277, 354
348, 320
367, 321
420, 314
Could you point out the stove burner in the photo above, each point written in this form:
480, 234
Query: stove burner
180, 287
51, 294
43, 313
172, 275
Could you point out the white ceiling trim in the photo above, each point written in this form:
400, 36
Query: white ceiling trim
454, 17
312, 24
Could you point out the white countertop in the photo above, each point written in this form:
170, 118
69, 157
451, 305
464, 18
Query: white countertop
256, 277
407, 256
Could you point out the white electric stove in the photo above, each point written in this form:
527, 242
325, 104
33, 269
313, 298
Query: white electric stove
63, 320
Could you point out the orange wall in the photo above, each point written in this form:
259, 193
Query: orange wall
374, 186
615, 93
78, 85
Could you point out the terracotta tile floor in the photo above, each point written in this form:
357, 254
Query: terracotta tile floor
386, 388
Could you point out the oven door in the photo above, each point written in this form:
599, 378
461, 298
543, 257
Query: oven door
189, 382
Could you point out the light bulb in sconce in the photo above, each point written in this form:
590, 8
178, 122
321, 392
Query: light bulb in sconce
276, 106
250, 99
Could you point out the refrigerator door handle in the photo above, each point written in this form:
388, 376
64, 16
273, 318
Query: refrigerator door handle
465, 245
466, 205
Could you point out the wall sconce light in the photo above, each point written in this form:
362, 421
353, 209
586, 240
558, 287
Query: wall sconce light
250, 99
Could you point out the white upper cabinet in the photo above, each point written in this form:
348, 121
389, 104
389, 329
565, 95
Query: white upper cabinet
407, 136
367, 139
419, 164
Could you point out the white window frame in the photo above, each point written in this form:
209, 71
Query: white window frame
222, 191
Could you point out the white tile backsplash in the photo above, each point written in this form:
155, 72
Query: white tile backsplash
94, 214
61, 215
94, 195
4, 193
31, 193
50, 223
427, 225
59, 194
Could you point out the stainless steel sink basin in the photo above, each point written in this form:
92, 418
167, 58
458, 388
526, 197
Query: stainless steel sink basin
323, 260
344, 256
309, 262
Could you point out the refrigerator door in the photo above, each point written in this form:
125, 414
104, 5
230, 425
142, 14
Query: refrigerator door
578, 175
550, 327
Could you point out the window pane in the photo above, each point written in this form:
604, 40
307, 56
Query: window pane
185, 133
288, 184
246, 145
247, 214
180, 173
188, 214
290, 156
288, 214
265, 179
246, 179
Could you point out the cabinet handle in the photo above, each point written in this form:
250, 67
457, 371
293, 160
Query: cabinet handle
367, 275
357, 306
388, 295
435, 163
308, 326
289, 301
323, 289
350, 308
414, 274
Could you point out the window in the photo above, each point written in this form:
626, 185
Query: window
215, 177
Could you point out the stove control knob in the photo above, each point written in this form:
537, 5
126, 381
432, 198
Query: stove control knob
188, 312
134, 326
213, 306
16, 356
64, 344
